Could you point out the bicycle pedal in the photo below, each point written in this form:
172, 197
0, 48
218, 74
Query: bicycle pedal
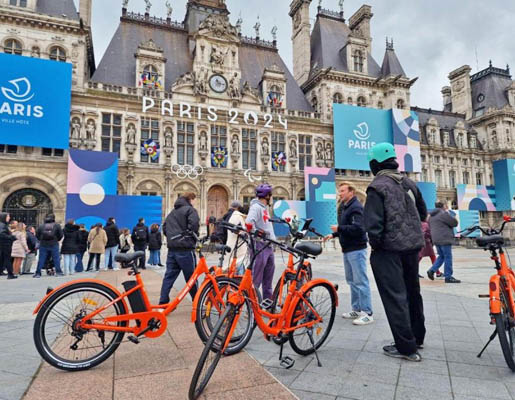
287, 362
483, 296
133, 339
267, 303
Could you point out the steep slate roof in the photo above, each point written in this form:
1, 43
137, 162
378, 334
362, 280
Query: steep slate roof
391, 64
492, 84
329, 46
57, 8
118, 65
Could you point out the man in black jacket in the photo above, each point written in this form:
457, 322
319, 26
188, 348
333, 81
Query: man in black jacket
140, 237
353, 240
393, 213
49, 234
6, 245
181, 244
113, 241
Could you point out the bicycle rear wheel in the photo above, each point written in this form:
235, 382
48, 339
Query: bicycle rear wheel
322, 299
506, 331
209, 359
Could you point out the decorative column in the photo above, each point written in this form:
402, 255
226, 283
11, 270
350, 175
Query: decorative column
203, 200
168, 192
235, 188
130, 180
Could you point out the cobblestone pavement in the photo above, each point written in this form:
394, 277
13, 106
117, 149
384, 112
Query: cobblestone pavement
354, 367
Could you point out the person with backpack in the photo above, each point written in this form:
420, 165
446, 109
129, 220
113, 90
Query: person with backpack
82, 247
140, 236
6, 245
154, 245
70, 246
393, 213
113, 241
220, 233
125, 241
182, 220
237, 218
97, 240
49, 234
33, 246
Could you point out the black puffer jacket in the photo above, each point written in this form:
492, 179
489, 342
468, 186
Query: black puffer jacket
70, 243
57, 232
142, 228
113, 234
155, 241
83, 240
351, 229
182, 219
6, 237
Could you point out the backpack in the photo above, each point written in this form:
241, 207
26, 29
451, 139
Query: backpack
48, 232
140, 233
220, 233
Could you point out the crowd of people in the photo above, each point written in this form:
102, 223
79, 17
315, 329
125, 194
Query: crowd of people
60, 251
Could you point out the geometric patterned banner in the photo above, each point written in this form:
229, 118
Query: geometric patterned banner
406, 140
476, 197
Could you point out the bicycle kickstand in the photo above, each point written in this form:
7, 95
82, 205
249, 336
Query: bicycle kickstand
492, 337
310, 335
285, 362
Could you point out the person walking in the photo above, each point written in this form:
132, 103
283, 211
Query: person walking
353, 241
178, 225
393, 213
32, 244
427, 250
237, 218
154, 245
259, 217
97, 240
70, 247
442, 234
82, 247
113, 242
49, 234
20, 249
125, 241
6, 245
140, 237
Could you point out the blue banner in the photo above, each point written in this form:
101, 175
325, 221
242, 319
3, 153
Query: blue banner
504, 176
35, 98
428, 191
356, 130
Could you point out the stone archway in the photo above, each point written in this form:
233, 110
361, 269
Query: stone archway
28, 205
217, 201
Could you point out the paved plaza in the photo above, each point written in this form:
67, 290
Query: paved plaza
354, 367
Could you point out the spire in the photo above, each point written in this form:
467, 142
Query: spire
389, 44
256, 27
391, 64
239, 22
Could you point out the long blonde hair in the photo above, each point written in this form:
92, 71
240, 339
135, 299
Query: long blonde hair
21, 227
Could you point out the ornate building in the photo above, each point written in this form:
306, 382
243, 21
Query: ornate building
199, 89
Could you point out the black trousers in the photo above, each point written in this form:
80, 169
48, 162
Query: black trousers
6, 261
396, 275
96, 257
141, 247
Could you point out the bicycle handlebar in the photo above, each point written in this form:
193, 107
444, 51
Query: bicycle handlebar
489, 231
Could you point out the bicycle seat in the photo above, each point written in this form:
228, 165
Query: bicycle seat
128, 257
487, 240
309, 248
222, 248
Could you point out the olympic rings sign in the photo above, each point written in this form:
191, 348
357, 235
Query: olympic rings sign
187, 171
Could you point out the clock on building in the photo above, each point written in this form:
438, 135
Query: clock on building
218, 83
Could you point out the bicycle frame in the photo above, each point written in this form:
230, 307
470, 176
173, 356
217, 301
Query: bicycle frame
503, 280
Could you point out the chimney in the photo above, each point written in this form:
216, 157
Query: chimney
85, 11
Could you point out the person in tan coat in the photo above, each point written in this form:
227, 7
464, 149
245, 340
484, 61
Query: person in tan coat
20, 248
97, 240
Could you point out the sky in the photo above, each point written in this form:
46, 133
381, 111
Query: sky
431, 37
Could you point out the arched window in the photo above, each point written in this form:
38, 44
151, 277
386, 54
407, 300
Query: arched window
12, 46
150, 77
400, 104
338, 98
358, 61
314, 103
362, 102
58, 54
380, 105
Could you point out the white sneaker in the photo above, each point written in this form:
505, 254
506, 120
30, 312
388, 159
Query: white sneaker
116, 269
351, 315
363, 320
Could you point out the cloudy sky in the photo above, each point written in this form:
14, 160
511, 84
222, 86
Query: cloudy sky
431, 38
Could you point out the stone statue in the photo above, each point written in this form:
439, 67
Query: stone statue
185, 79
340, 3
131, 134
257, 26
495, 142
75, 131
235, 145
35, 52
320, 151
169, 9
293, 149
239, 22
247, 89
203, 141
90, 130
264, 147
168, 137
201, 81
125, 3
218, 56
234, 90
148, 5
328, 152
274, 33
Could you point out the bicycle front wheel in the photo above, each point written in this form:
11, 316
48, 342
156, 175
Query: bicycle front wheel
506, 332
319, 298
209, 358
57, 336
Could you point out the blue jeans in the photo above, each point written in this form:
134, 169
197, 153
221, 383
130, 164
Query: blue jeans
154, 257
79, 267
176, 262
53, 252
69, 262
444, 255
110, 252
355, 263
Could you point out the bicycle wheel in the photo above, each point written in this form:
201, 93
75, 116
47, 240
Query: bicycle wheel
63, 345
209, 311
506, 332
209, 359
322, 299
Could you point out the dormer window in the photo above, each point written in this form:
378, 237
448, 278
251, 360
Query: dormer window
314, 103
18, 3
274, 98
338, 98
58, 54
12, 46
362, 102
150, 78
400, 104
358, 61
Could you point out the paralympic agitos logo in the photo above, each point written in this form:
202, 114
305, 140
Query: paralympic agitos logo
18, 95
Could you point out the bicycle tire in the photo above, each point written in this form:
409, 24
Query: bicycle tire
40, 335
219, 334
205, 326
295, 336
502, 325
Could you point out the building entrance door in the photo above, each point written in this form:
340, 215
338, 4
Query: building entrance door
217, 202
29, 206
